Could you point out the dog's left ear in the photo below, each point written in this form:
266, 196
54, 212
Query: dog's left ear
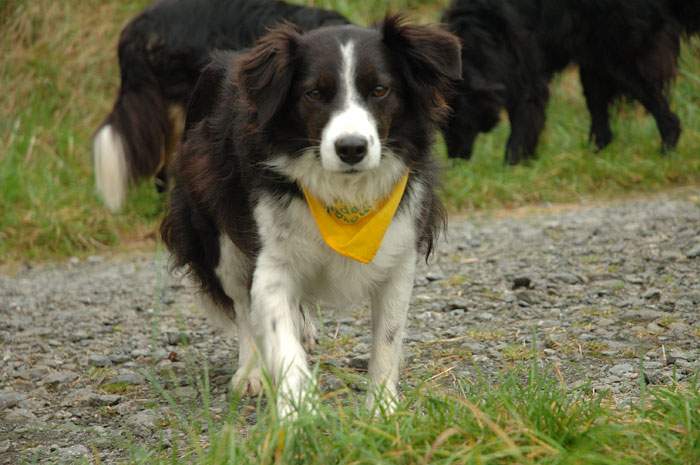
266, 72
429, 58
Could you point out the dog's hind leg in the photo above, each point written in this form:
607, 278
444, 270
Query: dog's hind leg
654, 100
233, 272
389, 304
599, 93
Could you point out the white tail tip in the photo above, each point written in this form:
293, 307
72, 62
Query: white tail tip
111, 173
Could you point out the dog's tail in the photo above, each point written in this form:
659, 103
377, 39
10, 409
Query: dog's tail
130, 143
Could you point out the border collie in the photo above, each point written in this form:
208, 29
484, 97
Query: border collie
623, 49
343, 118
161, 54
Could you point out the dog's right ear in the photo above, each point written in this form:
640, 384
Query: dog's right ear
266, 71
429, 59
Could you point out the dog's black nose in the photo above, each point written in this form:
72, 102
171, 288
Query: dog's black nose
351, 149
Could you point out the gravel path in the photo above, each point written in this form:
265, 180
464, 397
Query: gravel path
87, 348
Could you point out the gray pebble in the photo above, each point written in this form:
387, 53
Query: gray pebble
693, 252
99, 361
60, 378
622, 369
652, 294
73, 453
9, 399
360, 362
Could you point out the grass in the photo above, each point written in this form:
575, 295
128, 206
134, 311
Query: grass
59, 63
530, 417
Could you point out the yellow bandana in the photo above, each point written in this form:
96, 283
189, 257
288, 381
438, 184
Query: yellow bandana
352, 231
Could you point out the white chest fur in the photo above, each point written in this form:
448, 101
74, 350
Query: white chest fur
290, 235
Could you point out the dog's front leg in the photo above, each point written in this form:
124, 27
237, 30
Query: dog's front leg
275, 297
390, 303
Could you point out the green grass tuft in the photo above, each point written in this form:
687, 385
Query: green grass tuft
529, 418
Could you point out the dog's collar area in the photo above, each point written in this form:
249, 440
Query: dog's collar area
356, 231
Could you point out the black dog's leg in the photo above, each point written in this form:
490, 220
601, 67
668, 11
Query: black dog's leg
599, 93
654, 100
527, 118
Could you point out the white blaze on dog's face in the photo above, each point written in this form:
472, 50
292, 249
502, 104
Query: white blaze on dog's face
350, 141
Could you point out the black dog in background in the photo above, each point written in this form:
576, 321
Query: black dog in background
161, 54
501, 68
624, 48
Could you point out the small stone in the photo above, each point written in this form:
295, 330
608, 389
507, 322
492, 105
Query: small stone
119, 358
137, 353
102, 400
566, 278
528, 297
78, 336
73, 453
652, 294
9, 399
456, 304
99, 361
127, 377
360, 362
675, 353
60, 378
19, 415
654, 328
694, 252
522, 282
33, 374
635, 279
333, 383
622, 369
653, 378
185, 392
641, 315
484, 316
432, 277
143, 422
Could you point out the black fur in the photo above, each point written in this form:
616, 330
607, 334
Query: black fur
161, 54
624, 48
501, 69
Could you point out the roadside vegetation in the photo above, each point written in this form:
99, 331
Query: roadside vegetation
530, 417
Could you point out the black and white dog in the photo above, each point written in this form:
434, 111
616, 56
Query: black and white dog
161, 54
341, 114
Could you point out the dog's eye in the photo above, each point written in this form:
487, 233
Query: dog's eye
380, 92
314, 94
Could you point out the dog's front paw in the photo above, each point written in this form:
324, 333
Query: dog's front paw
246, 382
382, 401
